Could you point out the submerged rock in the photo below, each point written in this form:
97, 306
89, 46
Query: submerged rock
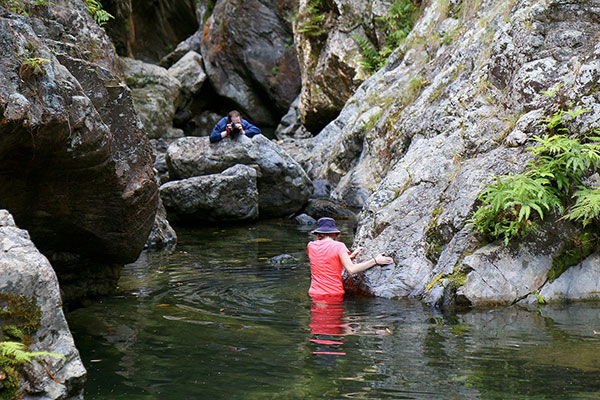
283, 186
162, 235
283, 259
28, 277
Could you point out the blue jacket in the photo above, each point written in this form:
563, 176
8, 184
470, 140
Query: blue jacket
215, 135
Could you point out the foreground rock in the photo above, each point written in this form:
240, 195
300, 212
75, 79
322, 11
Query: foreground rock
75, 165
415, 143
283, 186
28, 278
229, 196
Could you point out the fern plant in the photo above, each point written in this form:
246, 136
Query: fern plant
587, 206
94, 8
312, 20
370, 59
560, 162
507, 205
397, 24
12, 353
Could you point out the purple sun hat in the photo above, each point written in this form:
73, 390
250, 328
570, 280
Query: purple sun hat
326, 225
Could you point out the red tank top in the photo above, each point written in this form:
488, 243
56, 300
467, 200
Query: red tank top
326, 266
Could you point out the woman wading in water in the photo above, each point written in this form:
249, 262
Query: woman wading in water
328, 257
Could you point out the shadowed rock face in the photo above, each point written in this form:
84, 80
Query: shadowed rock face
329, 55
148, 30
250, 58
75, 165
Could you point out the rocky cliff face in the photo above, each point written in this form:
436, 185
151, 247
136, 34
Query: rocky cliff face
75, 164
456, 104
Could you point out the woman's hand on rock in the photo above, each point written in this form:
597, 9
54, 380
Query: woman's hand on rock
383, 260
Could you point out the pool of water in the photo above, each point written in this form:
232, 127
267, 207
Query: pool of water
215, 319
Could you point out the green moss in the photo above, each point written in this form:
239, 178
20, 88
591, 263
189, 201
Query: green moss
457, 279
433, 282
10, 383
12, 332
572, 253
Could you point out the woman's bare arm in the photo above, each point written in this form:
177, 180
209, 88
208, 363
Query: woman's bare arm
365, 265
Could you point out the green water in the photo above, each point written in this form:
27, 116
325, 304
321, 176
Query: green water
214, 319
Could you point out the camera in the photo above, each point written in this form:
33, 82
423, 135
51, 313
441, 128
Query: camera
233, 129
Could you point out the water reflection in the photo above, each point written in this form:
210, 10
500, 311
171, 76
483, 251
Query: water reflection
326, 325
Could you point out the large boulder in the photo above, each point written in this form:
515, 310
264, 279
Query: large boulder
417, 140
75, 164
283, 186
329, 55
30, 302
156, 95
189, 71
250, 58
229, 196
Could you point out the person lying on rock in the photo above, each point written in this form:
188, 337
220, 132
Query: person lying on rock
327, 258
231, 126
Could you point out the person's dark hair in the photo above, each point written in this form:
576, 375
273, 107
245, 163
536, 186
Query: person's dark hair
324, 235
233, 113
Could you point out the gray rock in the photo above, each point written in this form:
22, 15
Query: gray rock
305, 220
189, 72
228, 196
27, 274
283, 186
162, 235
291, 125
318, 208
156, 95
193, 43
580, 282
321, 189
